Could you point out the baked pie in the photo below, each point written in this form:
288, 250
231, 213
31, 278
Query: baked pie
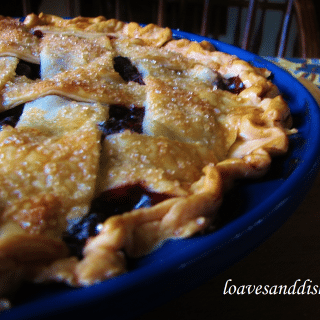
116, 137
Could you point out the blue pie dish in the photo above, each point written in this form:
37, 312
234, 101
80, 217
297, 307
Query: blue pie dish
258, 208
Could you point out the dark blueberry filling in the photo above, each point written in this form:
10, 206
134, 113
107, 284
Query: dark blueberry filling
11, 117
123, 118
38, 34
30, 70
127, 70
233, 84
110, 203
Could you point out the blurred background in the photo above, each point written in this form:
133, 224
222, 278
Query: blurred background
226, 20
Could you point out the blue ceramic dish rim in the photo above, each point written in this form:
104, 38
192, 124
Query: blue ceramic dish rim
194, 247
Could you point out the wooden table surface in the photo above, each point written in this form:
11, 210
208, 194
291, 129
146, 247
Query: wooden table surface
291, 255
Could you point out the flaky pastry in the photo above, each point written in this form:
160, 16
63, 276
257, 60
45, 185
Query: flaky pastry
122, 139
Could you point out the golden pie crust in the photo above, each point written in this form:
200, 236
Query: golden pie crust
197, 139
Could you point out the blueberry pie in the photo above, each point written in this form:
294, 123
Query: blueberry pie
116, 137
